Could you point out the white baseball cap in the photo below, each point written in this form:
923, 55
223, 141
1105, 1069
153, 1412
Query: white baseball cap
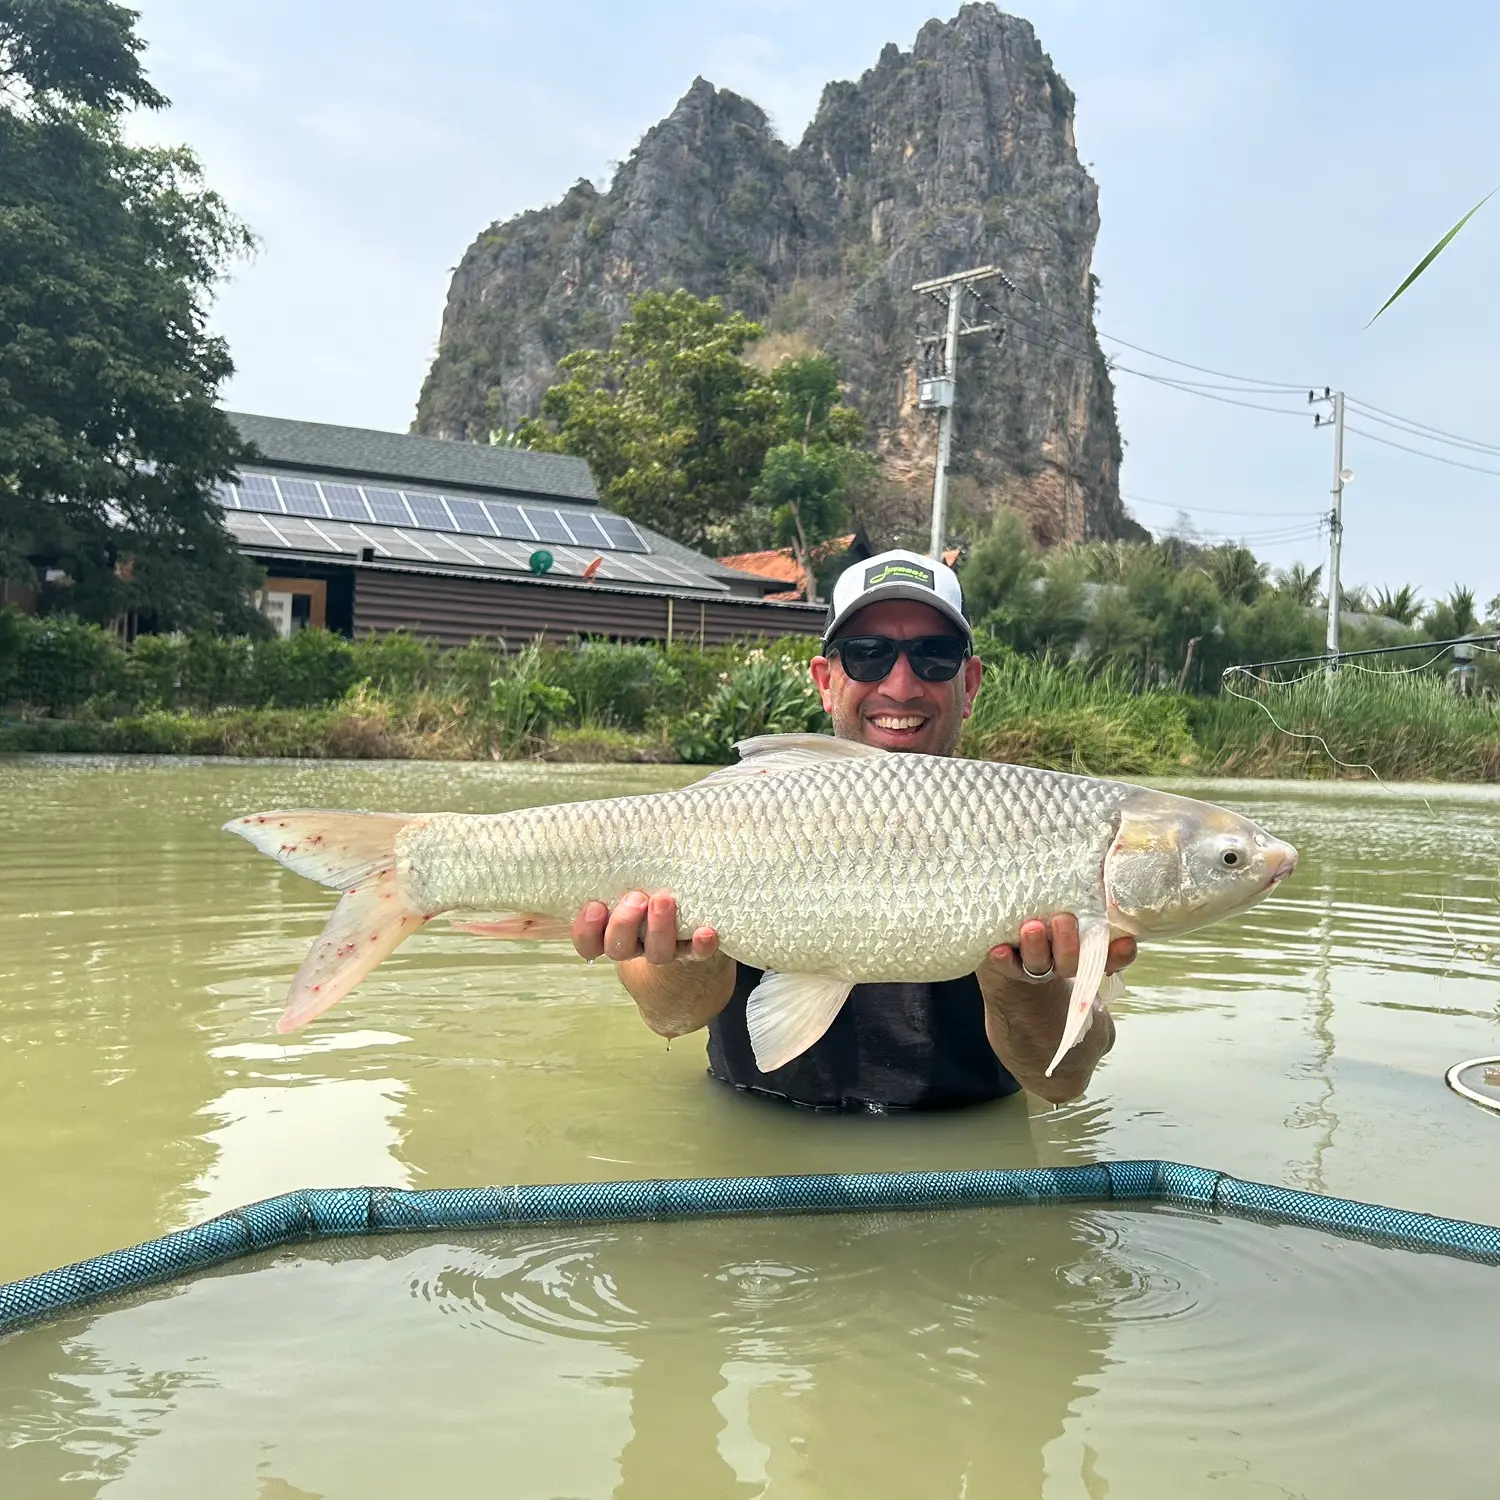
897, 575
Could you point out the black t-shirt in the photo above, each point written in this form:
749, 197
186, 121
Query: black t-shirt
892, 1046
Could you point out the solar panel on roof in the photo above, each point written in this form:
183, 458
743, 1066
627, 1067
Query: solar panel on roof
509, 521
622, 533
345, 502
587, 529
258, 492
226, 496
470, 516
548, 524
387, 507
301, 498
428, 511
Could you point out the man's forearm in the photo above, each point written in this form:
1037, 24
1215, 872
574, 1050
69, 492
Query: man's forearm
1025, 1022
678, 998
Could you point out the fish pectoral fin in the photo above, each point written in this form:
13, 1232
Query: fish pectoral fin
787, 1013
1093, 950
526, 924
367, 925
1112, 987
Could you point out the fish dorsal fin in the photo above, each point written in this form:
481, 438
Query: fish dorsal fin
769, 754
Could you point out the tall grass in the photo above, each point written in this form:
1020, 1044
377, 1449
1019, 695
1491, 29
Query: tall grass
1402, 727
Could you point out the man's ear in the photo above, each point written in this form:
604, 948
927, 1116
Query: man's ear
973, 674
822, 676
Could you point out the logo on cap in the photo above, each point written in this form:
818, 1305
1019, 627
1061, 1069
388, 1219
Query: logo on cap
899, 572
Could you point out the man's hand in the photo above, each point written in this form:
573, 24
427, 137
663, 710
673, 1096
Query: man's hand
640, 926
1025, 1012
679, 986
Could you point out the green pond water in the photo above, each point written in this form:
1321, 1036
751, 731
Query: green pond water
1019, 1353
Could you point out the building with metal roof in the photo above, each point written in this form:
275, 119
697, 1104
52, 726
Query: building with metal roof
364, 531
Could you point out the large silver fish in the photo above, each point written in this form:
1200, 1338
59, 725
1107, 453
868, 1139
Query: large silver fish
825, 862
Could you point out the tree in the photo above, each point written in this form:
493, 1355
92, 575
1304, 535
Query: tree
1454, 616
806, 482
674, 423
1237, 574
110, 438
1300, 585
1404, 606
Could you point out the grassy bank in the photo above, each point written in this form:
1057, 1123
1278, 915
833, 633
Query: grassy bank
70, 689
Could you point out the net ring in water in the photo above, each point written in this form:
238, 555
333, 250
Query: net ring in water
1455, 1081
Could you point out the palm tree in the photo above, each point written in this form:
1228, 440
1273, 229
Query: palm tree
1300, 585
1454, 616
1404, 606
1236, 573
1355, 600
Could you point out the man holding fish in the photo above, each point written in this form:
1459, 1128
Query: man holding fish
863, 920
898, 672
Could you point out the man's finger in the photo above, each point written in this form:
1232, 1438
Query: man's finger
1065, 945
1036, 950
661, 928
588, 930
704, 944
622, 935
1121, 952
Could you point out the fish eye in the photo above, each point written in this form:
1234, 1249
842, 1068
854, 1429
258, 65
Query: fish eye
1230, 857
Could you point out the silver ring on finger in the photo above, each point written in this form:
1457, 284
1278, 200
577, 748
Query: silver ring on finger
1051, 970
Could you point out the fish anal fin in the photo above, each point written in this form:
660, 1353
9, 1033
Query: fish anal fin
787, 1013
367, 925
1093, 950
1112, 987
527, 924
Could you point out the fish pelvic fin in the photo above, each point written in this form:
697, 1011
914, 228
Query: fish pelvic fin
354, 853
1093, 950
787, 1013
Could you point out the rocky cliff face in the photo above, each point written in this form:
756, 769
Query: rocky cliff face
958, 153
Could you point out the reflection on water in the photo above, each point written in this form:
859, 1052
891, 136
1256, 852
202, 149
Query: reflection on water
1025, 1353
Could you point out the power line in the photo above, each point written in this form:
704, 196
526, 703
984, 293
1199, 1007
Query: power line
1421, 430
1436, 458
1203, 510
1090, 327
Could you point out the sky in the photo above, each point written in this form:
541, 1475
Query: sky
1268, 173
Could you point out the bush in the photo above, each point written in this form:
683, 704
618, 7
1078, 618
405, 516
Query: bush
768, 694
56, 663
616, 686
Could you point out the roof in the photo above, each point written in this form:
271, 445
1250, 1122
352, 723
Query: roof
363, 452
780, 564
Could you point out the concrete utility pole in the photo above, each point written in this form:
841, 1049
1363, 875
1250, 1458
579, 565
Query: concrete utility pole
1341, 477
935, 392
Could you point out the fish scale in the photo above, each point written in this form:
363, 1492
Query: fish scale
902, 867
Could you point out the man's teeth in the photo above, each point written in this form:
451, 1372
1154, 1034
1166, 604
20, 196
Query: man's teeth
897, 721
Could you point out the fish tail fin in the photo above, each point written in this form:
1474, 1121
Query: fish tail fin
1093, 951
354, 853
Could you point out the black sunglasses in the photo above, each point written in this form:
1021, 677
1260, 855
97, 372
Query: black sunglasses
871, 658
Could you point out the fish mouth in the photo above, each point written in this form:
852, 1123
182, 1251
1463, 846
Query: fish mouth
1282, 861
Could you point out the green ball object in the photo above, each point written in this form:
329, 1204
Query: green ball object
540, 561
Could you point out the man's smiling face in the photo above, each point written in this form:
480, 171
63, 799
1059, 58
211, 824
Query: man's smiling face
901, 712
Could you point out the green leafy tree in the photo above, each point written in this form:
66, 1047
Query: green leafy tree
674, 423
1456, 615
807, 481
1300, 585
1237, 574
1404, 605
110, 438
